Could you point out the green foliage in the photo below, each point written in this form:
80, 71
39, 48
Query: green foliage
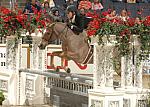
2, 98
124, 37
148, 101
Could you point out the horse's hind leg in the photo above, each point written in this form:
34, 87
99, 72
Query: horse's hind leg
63, 56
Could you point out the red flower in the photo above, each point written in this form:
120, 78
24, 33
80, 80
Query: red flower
104, 20
5, 11
125, 32
7, 19
131, 22
91, 32
43, 23
105, 13
20, 18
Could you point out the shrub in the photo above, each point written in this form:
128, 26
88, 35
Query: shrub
2, 98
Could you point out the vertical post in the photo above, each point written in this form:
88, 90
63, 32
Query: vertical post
39, 63
138, 64
41, 59
13, 53
35, 50
138, 76
123, 68
128, 72
99, 74
103, 65
103, 93
13, 63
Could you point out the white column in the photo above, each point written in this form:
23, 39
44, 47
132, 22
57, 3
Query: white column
138, 64
103, 94
103, 65
42, 59
13, 63
13, 53
123, 68
35, 50
99, 74
138, 76
128, 72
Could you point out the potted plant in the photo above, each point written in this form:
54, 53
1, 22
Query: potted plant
2, 98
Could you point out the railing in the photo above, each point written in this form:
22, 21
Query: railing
69, 85
76, 84
28, 40
142, 103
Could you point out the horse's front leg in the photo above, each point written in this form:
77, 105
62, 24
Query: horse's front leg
59, 54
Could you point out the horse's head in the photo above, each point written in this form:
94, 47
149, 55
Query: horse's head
47, 36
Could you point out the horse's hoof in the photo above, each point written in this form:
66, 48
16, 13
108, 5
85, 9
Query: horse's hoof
68, 70
57, 70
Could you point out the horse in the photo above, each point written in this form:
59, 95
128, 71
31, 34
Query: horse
74, 47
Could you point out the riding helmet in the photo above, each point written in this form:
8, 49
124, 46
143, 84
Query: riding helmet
71, 8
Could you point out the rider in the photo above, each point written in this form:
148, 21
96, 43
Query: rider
75, 21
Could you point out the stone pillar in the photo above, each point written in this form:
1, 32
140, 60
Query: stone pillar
103, 66
35, 50
13, 63
123, 68
39, 64
103, 93
138, 76
127, 73
131, 75
13, 53
42, 59
138, 64
99, 73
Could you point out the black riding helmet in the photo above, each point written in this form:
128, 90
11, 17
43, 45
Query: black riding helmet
71, 8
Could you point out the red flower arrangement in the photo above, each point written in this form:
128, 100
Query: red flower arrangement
14, 22
94, 25
101, 26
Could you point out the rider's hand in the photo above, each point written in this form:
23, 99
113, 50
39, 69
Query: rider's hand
69, 25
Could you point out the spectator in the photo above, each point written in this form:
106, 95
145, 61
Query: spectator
85, 4
97, 6
112, 15
138, 21
124, 15
55, 15
46, 7
29, 7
